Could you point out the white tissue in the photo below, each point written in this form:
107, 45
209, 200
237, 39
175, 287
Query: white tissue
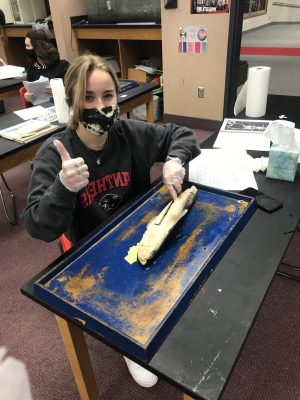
281, 133
59, 96
258, 164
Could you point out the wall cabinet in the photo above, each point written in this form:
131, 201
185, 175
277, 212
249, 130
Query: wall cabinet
129, 45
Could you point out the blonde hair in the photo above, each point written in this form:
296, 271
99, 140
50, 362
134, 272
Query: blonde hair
75, 82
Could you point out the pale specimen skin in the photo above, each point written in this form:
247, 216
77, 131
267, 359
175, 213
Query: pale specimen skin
160, 226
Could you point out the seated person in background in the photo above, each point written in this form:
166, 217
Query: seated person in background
44, 59
84, 174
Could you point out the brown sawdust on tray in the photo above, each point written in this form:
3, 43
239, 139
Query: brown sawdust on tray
82, 283
143, 318
150, 308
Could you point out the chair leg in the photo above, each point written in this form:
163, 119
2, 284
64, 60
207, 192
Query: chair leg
11, 219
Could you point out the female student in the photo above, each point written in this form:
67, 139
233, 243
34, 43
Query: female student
44, 59
84, 174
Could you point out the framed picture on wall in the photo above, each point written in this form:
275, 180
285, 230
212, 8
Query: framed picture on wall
253, 8
209, 6
15, 10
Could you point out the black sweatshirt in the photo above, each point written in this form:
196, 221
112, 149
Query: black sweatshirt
56, 70
124, 171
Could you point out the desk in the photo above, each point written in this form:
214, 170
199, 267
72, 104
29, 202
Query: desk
9, 88
201, 350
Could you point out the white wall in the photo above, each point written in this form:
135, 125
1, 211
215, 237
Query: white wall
274, 14
5, 7
282, 14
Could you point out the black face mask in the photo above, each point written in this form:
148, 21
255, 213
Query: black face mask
30, 54
99, 121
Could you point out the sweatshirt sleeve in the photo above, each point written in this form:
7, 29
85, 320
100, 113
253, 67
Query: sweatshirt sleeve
177, 141
50, 206
161, 141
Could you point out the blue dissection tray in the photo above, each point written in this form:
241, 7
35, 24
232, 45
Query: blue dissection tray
131, 306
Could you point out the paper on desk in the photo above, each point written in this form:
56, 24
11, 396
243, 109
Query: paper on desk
37, 112
223, 169
243, 134
11, 71
38, 88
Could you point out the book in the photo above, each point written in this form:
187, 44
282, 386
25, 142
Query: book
246, 134
126, 84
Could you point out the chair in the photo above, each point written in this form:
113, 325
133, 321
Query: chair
24, 103
13, 218
65, 243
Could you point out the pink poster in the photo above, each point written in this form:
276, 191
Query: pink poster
192, 39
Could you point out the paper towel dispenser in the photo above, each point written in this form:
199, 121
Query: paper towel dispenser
123, 11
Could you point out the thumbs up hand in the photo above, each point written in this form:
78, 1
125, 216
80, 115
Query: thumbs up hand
74, 172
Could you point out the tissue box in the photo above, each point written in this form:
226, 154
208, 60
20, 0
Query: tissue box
282, 163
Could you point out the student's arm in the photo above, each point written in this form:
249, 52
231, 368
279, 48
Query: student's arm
50, 206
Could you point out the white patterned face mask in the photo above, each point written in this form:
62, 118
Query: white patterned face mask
99, 120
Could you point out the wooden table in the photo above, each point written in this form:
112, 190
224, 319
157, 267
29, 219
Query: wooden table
200, 352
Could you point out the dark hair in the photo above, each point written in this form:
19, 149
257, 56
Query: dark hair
43, 47
3, 36
2, 19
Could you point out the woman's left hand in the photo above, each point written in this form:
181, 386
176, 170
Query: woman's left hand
173, 174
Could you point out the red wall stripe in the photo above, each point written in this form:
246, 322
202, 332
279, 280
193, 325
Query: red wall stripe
271, 51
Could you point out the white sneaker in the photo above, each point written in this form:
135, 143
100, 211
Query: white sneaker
141, 375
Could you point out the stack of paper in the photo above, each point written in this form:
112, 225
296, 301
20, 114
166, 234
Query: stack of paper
39, 89
27, 131
226, 169
10, 71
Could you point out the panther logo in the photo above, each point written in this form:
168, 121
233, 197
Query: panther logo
110, 201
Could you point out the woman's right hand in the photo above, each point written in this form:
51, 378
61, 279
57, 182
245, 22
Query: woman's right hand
29, 97
74, 172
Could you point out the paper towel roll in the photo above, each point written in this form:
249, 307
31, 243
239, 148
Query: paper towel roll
59, 96
257, 91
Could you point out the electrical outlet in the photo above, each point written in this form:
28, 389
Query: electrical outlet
200, 92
